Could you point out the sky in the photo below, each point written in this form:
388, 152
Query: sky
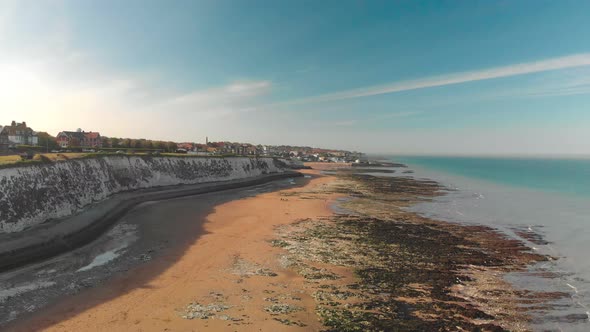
399, 77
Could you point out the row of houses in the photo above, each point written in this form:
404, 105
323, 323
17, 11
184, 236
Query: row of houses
221, 148
289, 152
16, 134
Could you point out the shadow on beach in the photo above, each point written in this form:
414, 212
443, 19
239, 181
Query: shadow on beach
166, 230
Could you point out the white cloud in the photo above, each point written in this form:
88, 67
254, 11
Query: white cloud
54, 86
565, 62
232, 98
213, 104
575, 81
116, 105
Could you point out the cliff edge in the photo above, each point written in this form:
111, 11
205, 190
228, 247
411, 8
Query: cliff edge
33, 194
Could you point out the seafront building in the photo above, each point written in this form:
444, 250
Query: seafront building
16, 134
15, 137
79, 138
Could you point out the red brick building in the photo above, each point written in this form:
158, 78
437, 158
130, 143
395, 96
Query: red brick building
68, 139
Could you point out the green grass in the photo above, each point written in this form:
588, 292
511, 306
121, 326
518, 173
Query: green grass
15, 160
9, 159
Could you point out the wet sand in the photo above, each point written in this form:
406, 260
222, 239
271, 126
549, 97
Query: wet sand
284, 260
222, 266
54, 237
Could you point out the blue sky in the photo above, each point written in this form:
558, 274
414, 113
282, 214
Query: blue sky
440, 77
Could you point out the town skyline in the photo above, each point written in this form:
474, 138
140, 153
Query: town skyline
19, 137
472, 78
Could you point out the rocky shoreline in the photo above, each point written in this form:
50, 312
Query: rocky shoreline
408, 272
334, 252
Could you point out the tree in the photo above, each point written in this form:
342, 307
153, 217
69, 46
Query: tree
47, 142
106, 142
125, 143
159, 145
141, 143
115, 142
171, 146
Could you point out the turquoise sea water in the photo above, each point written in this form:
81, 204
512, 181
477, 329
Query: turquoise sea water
567, 176
546, 197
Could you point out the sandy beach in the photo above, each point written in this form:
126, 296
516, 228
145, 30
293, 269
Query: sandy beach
329, 252
221, 265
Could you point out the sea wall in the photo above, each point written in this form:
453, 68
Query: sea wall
32, 194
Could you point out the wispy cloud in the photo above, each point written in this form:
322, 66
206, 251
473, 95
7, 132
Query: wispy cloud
571, 82
572, 61
235, 97
365, 120
344, 123
50, 82
304, 70
400, 114
232, 91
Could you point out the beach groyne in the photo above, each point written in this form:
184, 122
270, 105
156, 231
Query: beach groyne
33, 194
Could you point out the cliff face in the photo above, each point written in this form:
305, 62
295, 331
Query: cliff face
32, 194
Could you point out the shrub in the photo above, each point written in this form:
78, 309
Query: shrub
45, 159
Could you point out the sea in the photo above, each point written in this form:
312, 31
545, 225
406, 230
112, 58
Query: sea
548, 198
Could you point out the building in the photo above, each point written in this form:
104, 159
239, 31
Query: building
17, 134
66, 139
92, 139
79, 138
186, 146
